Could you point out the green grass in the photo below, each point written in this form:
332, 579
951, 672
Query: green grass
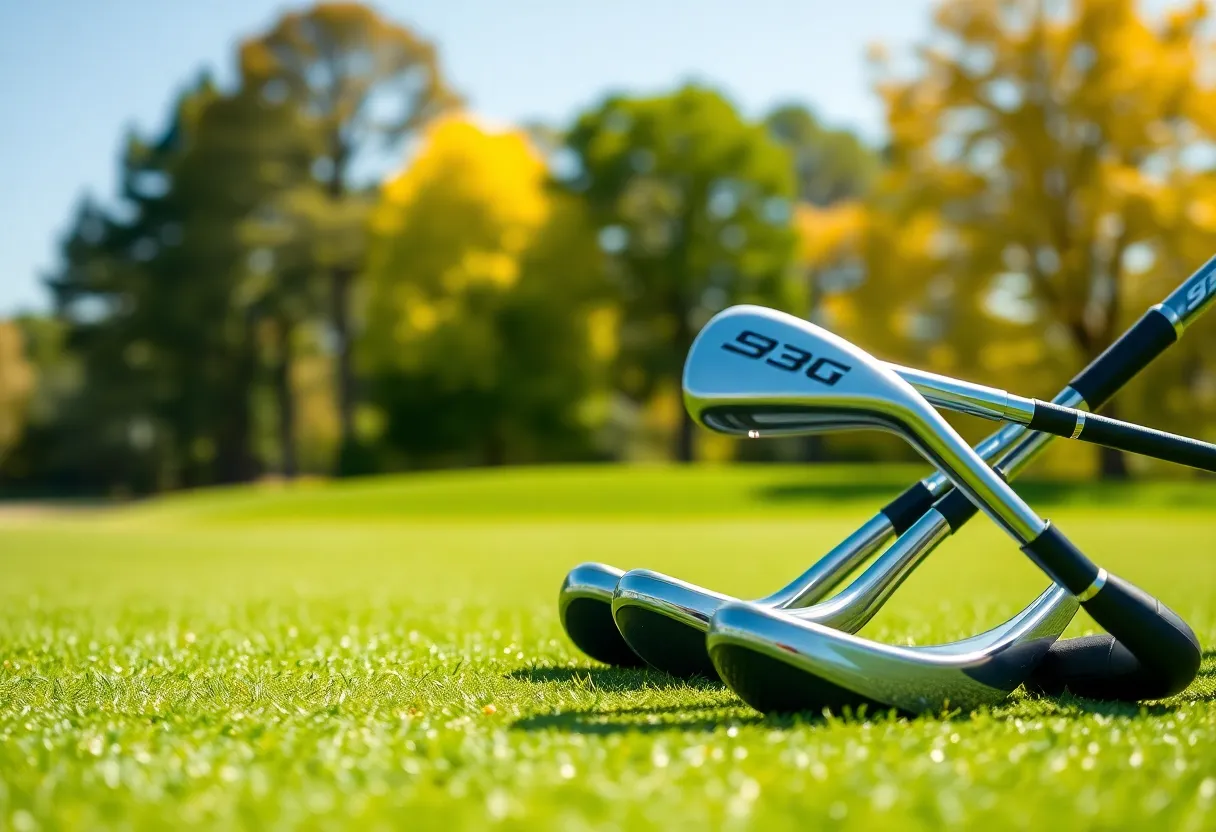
386, 653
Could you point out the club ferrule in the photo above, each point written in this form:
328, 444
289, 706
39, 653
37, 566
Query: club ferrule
1094, 588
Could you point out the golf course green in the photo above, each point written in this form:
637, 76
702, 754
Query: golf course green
385, 653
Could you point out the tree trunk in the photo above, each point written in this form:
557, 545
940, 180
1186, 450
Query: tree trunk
342, 278
686, 439
235, 461
495, 448
289, 466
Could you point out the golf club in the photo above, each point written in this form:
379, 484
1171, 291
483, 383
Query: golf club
664, 619
845, 388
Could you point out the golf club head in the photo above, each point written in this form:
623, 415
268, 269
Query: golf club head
664, 620
778, 663
584, 606
757, 372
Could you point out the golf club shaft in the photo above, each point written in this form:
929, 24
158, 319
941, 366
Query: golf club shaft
855, 605
1059, 420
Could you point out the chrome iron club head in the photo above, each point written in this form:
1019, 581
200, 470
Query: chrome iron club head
777, 662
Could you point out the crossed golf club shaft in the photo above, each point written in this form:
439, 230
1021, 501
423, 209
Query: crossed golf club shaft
777, 653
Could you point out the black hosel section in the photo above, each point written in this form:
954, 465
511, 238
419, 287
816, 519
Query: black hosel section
666, 643
590, 626
773, 687
1096, 667
908, 507
956, 508
1063, 562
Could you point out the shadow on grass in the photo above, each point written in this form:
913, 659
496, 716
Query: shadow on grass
613, 679
700, 716
695, 717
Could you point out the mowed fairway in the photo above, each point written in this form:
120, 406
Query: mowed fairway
386, 653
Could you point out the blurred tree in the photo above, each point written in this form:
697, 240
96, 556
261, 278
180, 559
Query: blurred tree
831, 164
693, 207
361, 79
162, 299
479, 334
1041, 157
299, 236
16, 385
42, 376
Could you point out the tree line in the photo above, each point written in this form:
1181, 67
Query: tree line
250, 304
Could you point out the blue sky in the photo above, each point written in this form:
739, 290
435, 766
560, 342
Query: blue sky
76, 74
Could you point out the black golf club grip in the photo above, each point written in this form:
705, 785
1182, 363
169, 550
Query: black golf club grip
1164, 648
1136, 349
1113, 433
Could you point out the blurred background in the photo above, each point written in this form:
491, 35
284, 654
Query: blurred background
254, 240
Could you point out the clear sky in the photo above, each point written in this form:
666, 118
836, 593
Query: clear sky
75, 74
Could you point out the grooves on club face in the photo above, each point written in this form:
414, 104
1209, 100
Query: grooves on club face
585, 608
778, 664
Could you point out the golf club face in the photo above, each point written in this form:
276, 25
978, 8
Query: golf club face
757, 372
585, 608
780, 664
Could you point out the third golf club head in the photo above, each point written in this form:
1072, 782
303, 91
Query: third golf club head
780, 664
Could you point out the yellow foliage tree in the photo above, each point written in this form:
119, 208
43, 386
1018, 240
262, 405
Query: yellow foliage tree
482, 298
16, 384
1050, 174
455, 221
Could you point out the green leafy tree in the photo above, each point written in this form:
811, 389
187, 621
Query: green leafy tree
17, 382
163, 303
693, 207
832, 164
363, 81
